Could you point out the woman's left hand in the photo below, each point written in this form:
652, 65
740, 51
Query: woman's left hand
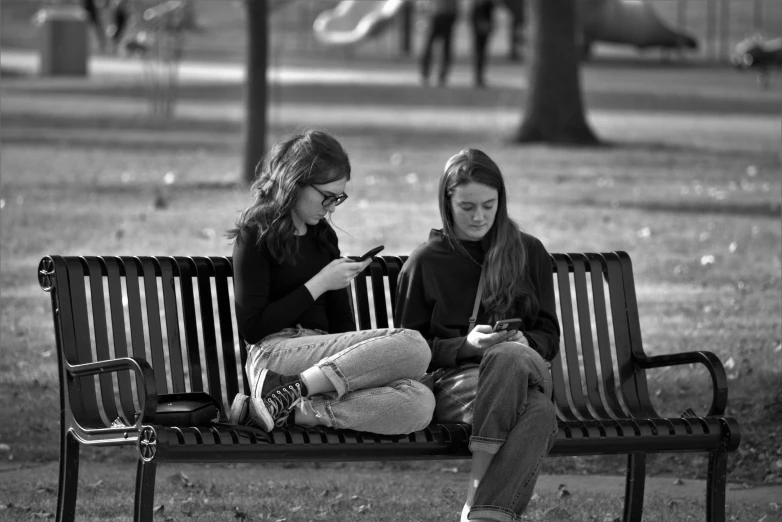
518, 337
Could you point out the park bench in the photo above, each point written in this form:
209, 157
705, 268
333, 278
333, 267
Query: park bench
131, 328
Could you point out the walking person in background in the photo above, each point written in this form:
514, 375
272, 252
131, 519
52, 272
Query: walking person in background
443, 14
516, 33
481, 14
479, 269
306, 363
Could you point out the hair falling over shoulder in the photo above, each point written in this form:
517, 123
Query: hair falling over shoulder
505, 274
312, 157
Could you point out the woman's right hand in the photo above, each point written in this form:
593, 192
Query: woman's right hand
336, 275
481, 338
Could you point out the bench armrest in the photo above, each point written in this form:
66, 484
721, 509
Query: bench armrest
719, 381
140, 367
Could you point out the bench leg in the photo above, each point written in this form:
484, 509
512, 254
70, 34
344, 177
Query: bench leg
716, 483
145, 491
69, 478
634, 487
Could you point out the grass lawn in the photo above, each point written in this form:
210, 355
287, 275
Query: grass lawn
368, 492
689, 185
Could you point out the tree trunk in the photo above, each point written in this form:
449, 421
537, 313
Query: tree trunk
256, 87
554, 112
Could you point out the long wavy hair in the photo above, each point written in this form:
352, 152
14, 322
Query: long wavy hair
313, 157
505, 270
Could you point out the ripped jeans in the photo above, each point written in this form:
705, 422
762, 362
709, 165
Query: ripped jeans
515, 420
375, 374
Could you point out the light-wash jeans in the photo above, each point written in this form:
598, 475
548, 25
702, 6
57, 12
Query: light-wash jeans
514, 419
375, 373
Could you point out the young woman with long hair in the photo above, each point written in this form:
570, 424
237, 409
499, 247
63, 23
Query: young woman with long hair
497, 381
306, 363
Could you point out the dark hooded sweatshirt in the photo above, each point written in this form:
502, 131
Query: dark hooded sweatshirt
436, 294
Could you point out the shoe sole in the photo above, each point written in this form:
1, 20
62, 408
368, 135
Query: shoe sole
260, 409
238, 409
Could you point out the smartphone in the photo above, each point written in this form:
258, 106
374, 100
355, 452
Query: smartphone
371, 253
504, 325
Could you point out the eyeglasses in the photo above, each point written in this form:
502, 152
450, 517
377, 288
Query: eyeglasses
331, 199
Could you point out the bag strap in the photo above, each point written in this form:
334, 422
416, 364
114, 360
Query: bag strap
474, 317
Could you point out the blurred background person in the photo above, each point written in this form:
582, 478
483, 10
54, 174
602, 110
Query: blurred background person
481, 13
442, 18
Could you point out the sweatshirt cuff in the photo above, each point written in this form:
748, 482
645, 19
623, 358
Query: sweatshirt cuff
306, 292
444, 353
535, 346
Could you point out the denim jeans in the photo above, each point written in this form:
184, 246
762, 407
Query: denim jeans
375, 374
514, 419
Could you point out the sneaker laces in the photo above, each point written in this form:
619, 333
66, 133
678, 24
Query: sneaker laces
282, 401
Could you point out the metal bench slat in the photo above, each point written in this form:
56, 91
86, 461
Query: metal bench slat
634, 330
569, 337
101, 334
82, 387
187, 270
376, 271
205, 271
114, 283
223, 273
149, 269
581, 290
168, 273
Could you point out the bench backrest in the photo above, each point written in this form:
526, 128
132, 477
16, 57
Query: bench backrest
177, 313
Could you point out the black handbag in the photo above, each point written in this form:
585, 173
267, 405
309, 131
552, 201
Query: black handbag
187, 409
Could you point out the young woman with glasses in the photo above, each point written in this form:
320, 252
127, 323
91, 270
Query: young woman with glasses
498, 381
306, 363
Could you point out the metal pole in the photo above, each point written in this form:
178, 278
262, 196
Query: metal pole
710, 22
725, 31
406, 29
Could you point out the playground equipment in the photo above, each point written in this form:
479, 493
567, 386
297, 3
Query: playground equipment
758, 53
632, 22
353, 21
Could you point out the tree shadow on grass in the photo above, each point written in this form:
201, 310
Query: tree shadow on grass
767, 209
674, 148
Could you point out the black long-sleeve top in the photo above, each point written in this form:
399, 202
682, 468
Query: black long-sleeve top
436, 294
270, 296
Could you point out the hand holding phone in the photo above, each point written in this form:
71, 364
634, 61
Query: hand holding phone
371, 253
505, 325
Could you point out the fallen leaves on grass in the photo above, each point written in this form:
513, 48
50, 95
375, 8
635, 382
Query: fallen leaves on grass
556, 514
181, 479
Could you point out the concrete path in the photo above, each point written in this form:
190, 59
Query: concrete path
663, 81
19, 98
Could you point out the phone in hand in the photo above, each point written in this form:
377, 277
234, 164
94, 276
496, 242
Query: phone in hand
371, 253
504, 325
